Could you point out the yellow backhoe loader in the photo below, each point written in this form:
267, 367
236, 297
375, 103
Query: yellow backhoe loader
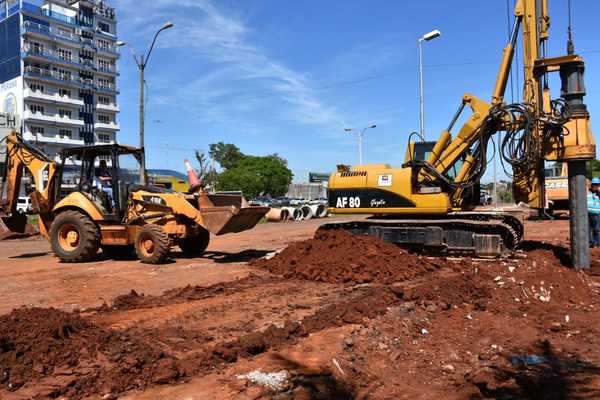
429, 202
101, 206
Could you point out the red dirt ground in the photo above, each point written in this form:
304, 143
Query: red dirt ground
347, 317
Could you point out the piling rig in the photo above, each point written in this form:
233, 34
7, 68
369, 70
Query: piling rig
429, 203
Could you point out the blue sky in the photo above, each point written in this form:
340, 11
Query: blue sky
287, 77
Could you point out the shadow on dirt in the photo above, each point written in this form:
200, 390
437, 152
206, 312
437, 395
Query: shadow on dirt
561, 253
306, 384
551, 377
243, 256
30, 255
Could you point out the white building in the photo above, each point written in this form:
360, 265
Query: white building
58, 71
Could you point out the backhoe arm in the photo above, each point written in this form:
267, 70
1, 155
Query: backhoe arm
19, 156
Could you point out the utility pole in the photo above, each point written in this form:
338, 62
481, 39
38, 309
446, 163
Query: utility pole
141, 63
142, 66
427, 37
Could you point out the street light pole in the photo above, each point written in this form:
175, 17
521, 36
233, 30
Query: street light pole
142, 67
427, 37
421, 99
360, 140
141, 63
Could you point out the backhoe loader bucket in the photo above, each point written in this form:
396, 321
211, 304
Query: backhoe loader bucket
13, 225
229, 213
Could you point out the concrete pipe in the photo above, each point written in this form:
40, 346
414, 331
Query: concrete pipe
276, 215
307, 212
322, 211
316, 210
294, 214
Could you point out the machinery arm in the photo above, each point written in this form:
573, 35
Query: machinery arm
19, 156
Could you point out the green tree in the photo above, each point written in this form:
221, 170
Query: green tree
206, 172
256, 176
594, 169
226, 154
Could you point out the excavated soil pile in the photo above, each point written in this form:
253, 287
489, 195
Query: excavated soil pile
337, 256
134, 300
74, 358
365, 304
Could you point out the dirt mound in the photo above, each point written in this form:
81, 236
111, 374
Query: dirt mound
337, 256
75, 358
134, 300
364, 304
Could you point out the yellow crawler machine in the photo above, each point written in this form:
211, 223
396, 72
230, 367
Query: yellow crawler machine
429, 202
116, 215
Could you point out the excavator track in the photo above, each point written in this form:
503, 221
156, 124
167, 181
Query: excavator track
485, 235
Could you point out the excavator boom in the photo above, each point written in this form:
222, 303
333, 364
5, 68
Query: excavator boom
428, 203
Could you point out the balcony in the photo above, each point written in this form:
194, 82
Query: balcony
69, 121
110, 50
107, 88
112, 70
45, 31
57, 58
111, 126
108, 107
52, 98
39, 117
52, 76
51, 119
38, 11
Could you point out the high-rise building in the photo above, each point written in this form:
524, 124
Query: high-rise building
58, 71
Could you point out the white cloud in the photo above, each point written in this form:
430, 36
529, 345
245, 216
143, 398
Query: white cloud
241, 77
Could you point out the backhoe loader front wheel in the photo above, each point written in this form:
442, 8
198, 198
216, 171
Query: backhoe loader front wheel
196, 245
74, 237
152, 245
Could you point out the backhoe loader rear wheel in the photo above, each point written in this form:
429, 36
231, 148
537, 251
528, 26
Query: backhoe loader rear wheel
196, 245
152, 245
74, 237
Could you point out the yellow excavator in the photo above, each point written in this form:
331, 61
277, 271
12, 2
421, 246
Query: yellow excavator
84, 208
429, 203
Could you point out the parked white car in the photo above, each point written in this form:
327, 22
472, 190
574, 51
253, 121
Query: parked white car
24, 205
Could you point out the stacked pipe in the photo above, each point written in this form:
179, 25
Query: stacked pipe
302, 213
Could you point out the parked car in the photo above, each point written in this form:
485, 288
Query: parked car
24, 205
485, 199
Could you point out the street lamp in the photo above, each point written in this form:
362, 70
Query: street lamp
360, 139
426, 38
142, 62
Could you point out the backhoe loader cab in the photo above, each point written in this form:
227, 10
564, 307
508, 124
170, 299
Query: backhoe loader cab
92, 201
107, 186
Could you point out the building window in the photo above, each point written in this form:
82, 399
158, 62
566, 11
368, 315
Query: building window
64, 93
64, 54
105, 65
104, 119
37, 130
103, 44
104, 27
105, 83
34, 87
36, 47
103, 137
65, 113
65, 133
104, 100
35, 109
